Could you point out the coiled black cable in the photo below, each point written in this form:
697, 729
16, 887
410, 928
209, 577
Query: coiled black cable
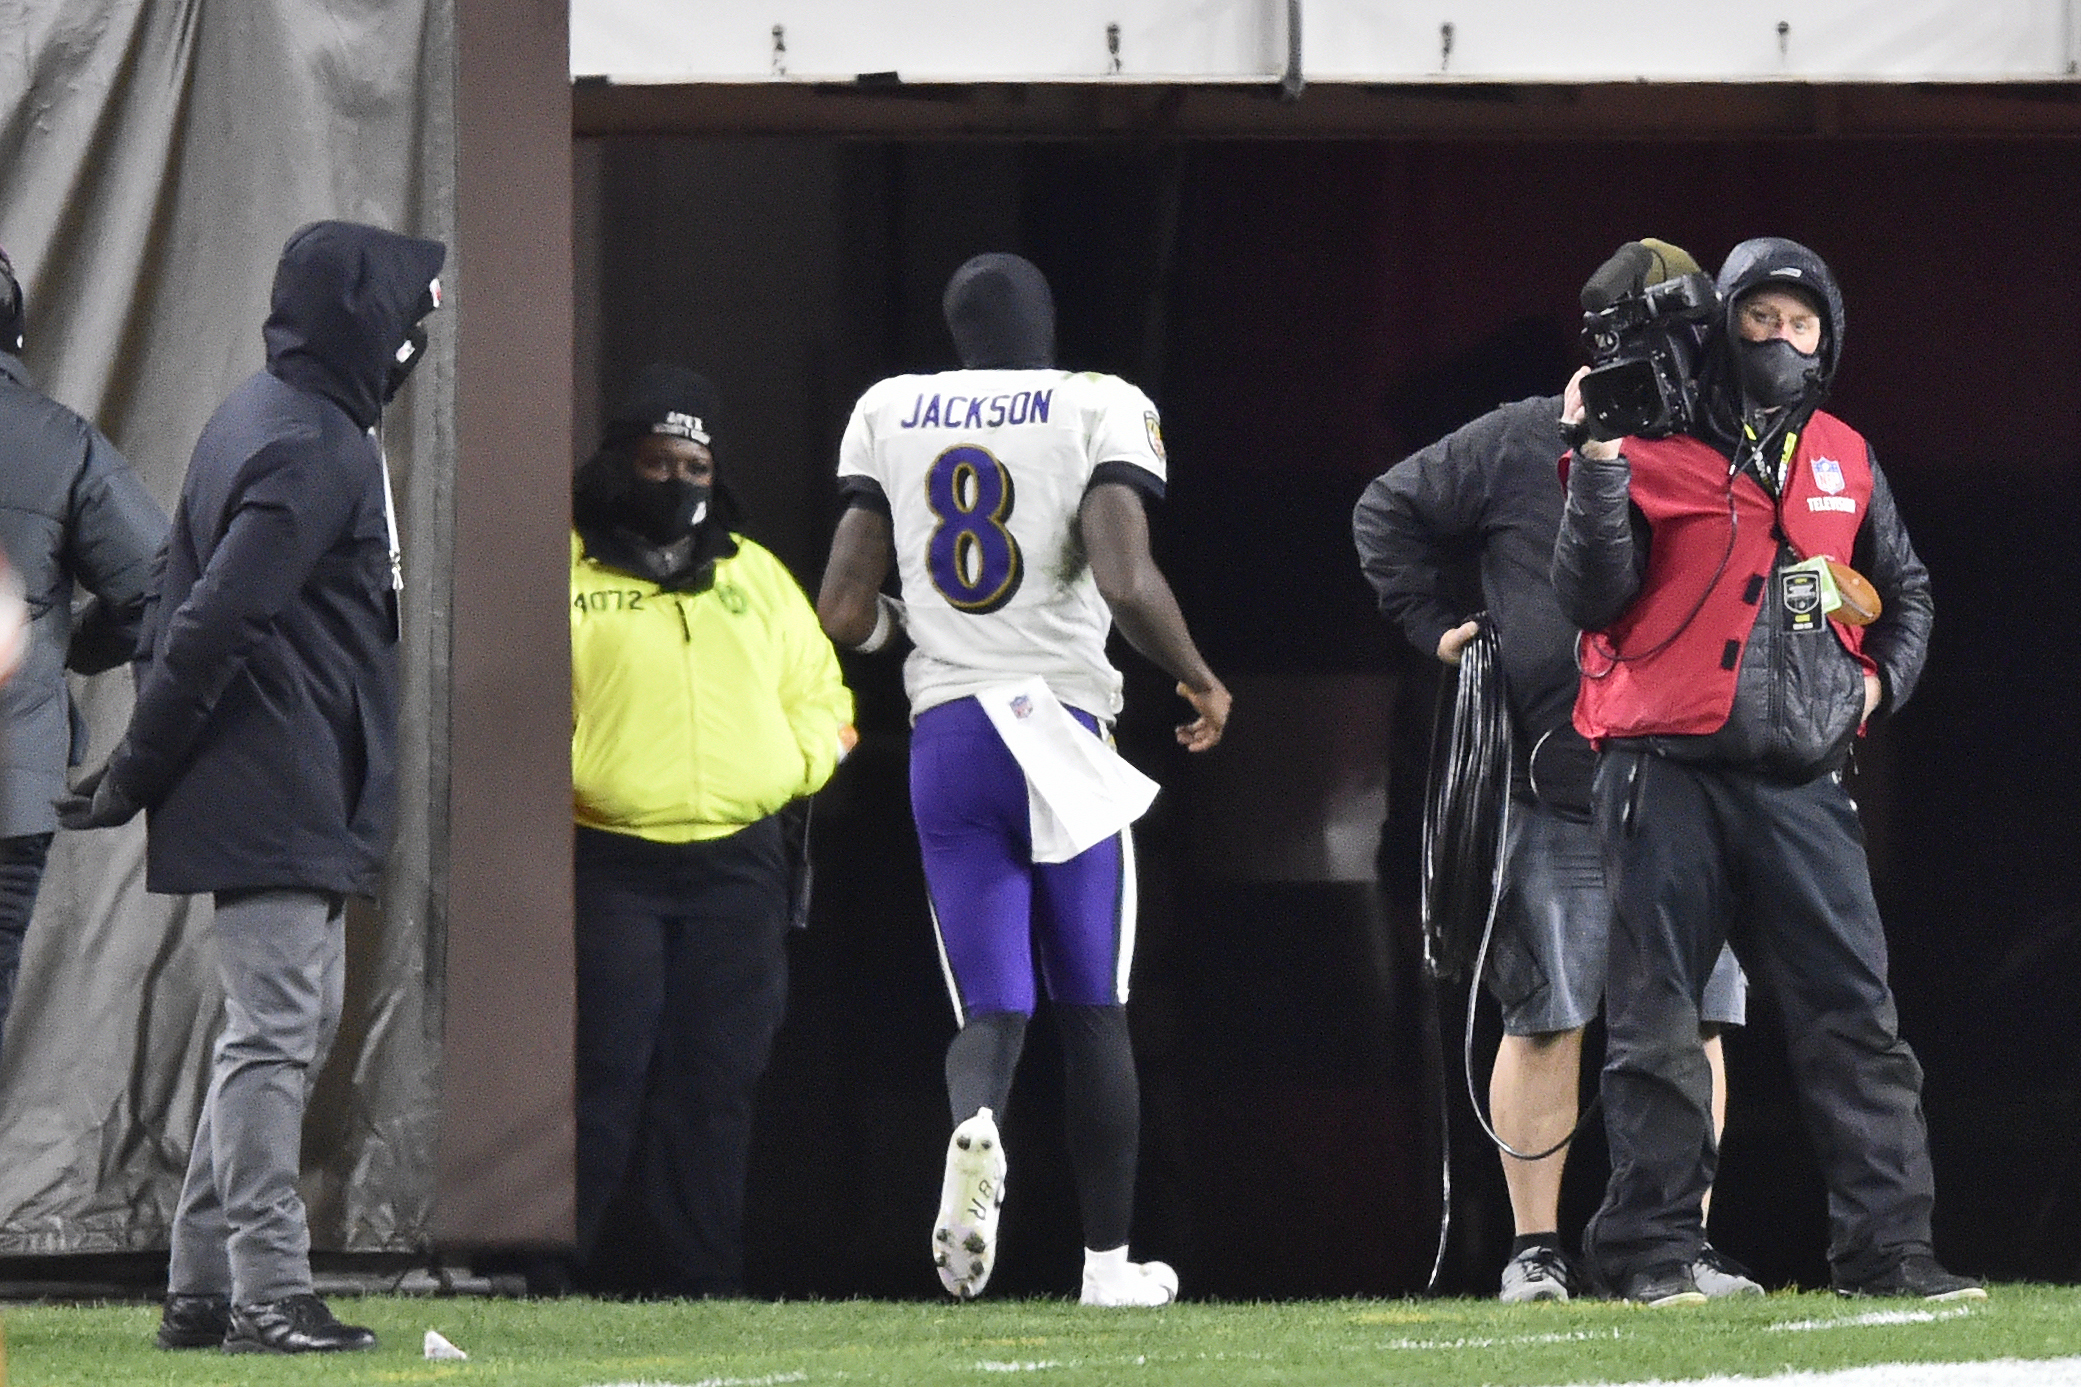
1466, 813
1468, 790
1466, 825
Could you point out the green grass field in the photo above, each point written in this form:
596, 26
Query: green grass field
579, 1343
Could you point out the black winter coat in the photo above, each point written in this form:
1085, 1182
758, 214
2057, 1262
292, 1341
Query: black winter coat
72, 513
264, 740
1490, 490
1600, 565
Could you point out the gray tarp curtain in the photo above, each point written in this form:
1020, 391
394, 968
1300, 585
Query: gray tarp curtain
155, 155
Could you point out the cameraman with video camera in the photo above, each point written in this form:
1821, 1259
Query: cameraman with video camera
1489, 490
1717, 538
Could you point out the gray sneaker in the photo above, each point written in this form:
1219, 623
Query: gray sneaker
1719, 1275
1537, 1273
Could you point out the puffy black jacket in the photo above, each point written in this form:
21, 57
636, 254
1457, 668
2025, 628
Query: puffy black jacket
264, 739
1775, 727
72, 513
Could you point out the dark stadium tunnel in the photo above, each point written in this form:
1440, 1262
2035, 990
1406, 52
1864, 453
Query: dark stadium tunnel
1305, 313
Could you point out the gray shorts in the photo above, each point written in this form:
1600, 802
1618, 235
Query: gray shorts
1546, 964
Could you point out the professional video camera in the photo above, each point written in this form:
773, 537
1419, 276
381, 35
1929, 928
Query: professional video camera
1642, 321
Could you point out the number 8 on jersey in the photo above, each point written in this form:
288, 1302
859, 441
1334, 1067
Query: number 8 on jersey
973, 559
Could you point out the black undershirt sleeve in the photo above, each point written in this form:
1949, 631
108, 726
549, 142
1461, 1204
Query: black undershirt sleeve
864, 492
1128, 474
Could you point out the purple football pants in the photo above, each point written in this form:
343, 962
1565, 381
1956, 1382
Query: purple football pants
995, 908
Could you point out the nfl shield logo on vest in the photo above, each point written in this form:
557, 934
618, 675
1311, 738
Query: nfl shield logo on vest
1828, 474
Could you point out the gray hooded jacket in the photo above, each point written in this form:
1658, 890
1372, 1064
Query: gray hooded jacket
72, 515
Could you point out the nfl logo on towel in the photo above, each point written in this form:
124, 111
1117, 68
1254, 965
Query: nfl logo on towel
1828, 474
1022, 707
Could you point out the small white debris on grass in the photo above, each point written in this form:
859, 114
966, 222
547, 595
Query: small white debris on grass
437, 1346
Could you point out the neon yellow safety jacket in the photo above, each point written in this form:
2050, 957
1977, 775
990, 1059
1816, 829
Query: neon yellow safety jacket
694, 714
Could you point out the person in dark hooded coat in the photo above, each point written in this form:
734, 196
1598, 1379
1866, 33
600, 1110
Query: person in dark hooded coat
1729, 665
263, 747
73, 515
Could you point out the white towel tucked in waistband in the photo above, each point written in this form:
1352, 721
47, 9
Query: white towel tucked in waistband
1079, 791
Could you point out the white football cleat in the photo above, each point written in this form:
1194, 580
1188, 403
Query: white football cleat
1115, 1282
964, 1240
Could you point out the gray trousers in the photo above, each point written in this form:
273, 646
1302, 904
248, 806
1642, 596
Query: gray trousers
240, 1228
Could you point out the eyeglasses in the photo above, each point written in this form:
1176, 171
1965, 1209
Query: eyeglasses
1768, 320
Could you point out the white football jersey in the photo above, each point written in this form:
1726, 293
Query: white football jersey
984, 472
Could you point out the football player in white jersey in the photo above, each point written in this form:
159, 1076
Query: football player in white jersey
1009, 496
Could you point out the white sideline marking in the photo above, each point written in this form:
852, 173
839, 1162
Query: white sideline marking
1033, 1367
1502, 1340
1997, 1372
1874, 1317
769, 1380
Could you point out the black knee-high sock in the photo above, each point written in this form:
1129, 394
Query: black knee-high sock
980, 1061
1104, 1104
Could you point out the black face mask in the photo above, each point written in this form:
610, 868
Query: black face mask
11, 313
414, 345
401, 365
1776, 373
665, 512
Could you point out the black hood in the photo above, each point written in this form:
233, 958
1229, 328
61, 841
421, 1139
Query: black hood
1764, 260
346, 298
1001, 314
1775, 260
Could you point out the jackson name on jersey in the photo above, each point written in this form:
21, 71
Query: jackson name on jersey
984, 473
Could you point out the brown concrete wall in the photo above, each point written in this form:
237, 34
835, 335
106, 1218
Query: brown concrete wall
505, 1161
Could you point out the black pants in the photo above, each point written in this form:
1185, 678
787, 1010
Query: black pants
21, 874
1690, 853
682, 981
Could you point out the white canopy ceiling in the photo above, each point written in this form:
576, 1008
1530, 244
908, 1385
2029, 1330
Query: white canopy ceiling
638, 41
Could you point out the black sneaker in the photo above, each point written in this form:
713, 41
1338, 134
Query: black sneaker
1918, 1275
1663, 1287
293, 1324
194, 1321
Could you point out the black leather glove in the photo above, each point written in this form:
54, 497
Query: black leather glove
96, 802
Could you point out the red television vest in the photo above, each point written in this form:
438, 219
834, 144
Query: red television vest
1681, 485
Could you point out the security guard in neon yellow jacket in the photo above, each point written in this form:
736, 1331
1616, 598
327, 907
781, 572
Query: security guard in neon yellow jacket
704, 700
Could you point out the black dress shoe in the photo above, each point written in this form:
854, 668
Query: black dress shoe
293, 1324
194, 1321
